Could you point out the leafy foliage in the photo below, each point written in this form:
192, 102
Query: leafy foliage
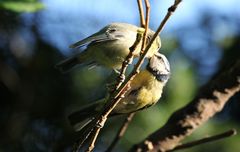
21, 6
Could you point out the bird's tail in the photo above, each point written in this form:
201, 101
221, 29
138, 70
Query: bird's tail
68, 64
76, 60
82, 117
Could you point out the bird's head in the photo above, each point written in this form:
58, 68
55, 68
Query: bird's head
159, 66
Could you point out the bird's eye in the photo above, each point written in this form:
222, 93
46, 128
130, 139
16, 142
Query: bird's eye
112, 30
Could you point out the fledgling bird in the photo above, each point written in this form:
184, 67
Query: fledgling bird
109, 47
146, 89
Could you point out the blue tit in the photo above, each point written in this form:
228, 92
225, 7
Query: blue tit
146, 89
109, 47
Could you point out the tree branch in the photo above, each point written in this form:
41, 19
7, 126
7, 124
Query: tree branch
223, 135
147, 4
141, 13
98, 122
210, 100
121, 131
146, 24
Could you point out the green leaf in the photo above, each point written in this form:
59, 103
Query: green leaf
20, 7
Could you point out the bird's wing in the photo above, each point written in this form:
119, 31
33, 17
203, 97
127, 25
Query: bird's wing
101, 36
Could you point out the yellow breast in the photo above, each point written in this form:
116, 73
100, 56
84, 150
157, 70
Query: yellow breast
149, 91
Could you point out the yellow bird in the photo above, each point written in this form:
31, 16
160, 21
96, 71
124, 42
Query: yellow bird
146, 89
109, 47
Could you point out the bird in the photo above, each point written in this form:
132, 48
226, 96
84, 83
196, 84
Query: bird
108, 47
145, 90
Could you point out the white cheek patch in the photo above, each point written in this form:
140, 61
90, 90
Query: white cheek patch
159, 67
161, 57
167, 65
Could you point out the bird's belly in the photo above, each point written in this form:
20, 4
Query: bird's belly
132, 106
145, 98
111, 54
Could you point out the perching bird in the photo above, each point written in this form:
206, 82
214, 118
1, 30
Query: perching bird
146, 89
109, 47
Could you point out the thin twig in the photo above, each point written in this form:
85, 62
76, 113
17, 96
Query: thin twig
141, 13
94, 138
123, 87
116, 97
162, 24
171, 10
225, 134
119, 93
84, 136
147, 4
100, 121
127, 61
130, 116
121, 78
121, 131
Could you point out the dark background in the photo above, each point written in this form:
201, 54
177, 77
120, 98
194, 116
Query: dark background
200, 39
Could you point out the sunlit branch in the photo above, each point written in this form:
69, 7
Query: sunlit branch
114, 98
141, 13
130, 117
147, 4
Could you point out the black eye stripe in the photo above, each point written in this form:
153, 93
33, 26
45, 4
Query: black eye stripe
159, 76
162, 77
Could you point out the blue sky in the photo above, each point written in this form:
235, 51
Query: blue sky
64, 22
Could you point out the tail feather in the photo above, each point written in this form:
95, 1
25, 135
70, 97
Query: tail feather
78, 59
81, 125
82, 117
67, 64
